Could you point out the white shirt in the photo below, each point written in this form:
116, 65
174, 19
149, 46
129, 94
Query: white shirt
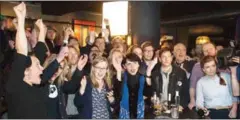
210, 94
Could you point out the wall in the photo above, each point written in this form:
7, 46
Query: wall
34, 12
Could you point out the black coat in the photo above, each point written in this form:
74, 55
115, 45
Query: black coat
175, 76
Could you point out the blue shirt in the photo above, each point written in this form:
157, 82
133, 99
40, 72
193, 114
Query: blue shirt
210, 94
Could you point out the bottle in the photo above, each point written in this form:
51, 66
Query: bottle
177, 99
169, 101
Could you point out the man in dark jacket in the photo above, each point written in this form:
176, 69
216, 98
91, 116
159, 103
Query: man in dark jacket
168, 78
182, 60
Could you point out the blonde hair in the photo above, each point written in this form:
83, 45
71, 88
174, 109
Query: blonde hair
132, 48
62, 76
70, 73
112, 70
107, 79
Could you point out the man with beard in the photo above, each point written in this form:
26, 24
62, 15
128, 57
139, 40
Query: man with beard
129, 89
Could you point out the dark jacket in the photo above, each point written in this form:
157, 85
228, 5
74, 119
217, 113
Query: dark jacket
25, 101
188, 65
175, 77
117, 88
84, 102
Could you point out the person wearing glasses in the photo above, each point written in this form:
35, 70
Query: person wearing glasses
94, 97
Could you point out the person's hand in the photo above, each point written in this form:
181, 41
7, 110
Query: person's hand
43, 30
20, 11
105, 33
232, 113
11, 43
92, 37
83, 85
62, 54
68, 32
39, 24
191, 105
152, 64
236, 59
188, 58
110, 96
106, 21
82, 62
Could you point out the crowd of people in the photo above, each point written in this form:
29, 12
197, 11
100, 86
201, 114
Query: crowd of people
106, 78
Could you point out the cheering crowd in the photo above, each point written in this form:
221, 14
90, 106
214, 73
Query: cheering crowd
106, 78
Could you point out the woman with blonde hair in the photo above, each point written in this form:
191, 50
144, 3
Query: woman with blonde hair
72, 58
94, 96
116, 55
56, 98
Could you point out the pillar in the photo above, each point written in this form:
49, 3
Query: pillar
145, 21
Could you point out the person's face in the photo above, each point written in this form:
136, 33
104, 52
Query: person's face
51, 34
118, 56
166, 58
28, 34
4, 24
100, 70
180, 52
120, 48
148, 53
116, 41
94, 53
138, 52
59, 71
72, 56
209, 50
34, 71
210, 68
132, 67
100, 43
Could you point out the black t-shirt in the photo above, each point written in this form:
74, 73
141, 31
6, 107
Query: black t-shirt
24, 101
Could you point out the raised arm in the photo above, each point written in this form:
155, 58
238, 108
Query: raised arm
21, 39
40, 49
149, 70
73, 85
53, 67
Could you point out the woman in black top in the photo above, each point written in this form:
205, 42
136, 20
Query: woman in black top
25, 99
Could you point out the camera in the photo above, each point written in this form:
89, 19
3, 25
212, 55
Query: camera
224, 56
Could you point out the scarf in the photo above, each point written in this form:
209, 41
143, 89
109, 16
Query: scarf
124, 103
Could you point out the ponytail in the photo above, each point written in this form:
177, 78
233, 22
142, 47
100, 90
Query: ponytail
222, 81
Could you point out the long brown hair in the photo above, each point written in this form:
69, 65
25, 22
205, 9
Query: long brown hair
107, 80
207, 59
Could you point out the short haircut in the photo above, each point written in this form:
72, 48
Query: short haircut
132, 57
146, 44
163, 50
